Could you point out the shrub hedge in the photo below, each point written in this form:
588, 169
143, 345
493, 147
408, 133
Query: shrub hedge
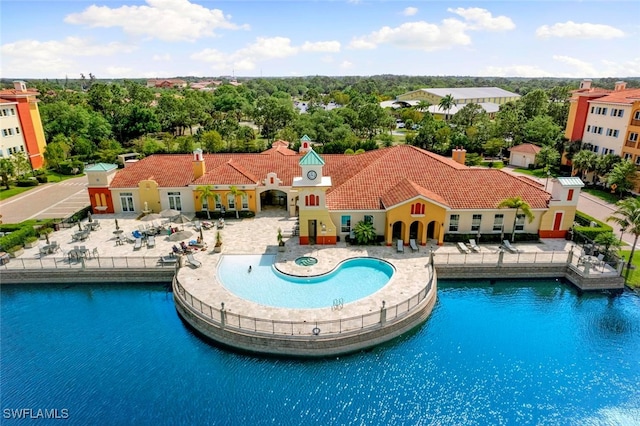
584, 232
17, 237
26, 182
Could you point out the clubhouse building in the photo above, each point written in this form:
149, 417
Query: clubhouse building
405, 192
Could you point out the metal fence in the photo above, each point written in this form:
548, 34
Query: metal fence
220, 317
489, 258
148, 262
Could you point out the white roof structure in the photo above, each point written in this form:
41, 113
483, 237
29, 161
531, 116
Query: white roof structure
472, 92
488, 107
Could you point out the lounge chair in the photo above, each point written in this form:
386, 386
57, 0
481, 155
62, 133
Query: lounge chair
473, 245
94, 253
138, 244
463, 248
192, 261
600, 260
413, 245
136, 234
151, 241
43, 251
507, 245
400, 246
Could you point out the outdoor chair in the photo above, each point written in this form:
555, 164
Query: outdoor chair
138, 244
400, 246
507, 245
94, 253
601, 260
168, 260
473, 245
151, 241
43, 251
413, 245
463, 248
192, 261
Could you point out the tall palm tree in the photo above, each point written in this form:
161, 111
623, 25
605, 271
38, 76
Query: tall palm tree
422, 106
628, 217
584, 161
445, 104
207, 193
519, 204
233, 190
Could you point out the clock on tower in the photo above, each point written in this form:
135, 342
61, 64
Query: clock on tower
311, 174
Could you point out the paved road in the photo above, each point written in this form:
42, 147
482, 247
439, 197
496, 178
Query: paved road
50, 201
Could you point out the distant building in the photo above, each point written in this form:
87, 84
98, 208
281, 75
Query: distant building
20, 124
166, 83
524, 154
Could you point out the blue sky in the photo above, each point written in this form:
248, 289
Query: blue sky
166, 38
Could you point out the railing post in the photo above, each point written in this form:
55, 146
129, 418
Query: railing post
500, 257
383, 313
222, 315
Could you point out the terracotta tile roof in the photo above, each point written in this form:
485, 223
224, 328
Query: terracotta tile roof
527, 148
5, 101
281, 147
12, 93
627, 96
360, 182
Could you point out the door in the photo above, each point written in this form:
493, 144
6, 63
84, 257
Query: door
126, 201
312, 232
557, 221
174, 201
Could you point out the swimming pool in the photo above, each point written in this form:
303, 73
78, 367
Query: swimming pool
353, 279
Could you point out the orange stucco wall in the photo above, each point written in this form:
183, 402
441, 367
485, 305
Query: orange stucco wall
107, 197
29, 133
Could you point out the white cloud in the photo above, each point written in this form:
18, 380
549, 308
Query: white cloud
481, 19
264, 48
119, 71
346, 65
572, 29
168, 20
421, 35
26, 57
165, 57
321, 46
410, 11
515, 71
579, 67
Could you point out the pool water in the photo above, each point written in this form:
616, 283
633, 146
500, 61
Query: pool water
350, 281
512, 353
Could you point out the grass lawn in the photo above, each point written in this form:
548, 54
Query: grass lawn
539, 173
633, 276
603, 195
496, 164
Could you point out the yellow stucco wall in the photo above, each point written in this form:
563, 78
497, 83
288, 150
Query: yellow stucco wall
148, 192
546, 221
251, 194
37, 126
571, 119
402, 213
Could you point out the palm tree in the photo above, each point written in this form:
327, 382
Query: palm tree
206, 192
584, 161
422, 106
233, 190
628, 217
445, 104
519, 204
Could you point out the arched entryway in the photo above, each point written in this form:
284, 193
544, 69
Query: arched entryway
431, 230
273, 198
397, 231
415, 231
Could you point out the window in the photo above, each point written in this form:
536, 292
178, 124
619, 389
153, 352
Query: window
570, 195
17, 130
454, 222
592, 109
604, 111
609, 132
417, 208
617, 112
12, 111
345, 224
244, 198
633, 137
311, 200
628, 156
599, 130
589, 128
368, 219
218, 202
638, 160
4, 132
636, 115
520, 222
616, 133
231, 202
596, 148
475, 223
498, 221
174, 201
612, 151
126, 200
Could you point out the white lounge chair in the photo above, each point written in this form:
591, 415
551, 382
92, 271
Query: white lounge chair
507, 245
463, 248
413, 245
138, 244
192, 261
473, 245
151, 241
168, 260
400, 246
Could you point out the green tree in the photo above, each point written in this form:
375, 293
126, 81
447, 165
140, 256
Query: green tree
235, 192
541, 130
272, 114
7, 171
520, 205
468, 115
364, 232
211, 141
56, 151
627, 215
21, 163
624, 176
493, 146
548, 157
534, 104
446, 103
584, 161
607, 240
606, 163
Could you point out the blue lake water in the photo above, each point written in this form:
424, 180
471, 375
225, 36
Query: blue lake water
505, 354
351, 280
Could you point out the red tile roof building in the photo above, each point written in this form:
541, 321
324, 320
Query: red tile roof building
382, 185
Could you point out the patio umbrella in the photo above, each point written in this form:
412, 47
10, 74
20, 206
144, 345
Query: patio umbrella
46, 235
89, 217
180, 235
169, 213
201, 236
182, 219
151, 217
117, 227
79, 226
